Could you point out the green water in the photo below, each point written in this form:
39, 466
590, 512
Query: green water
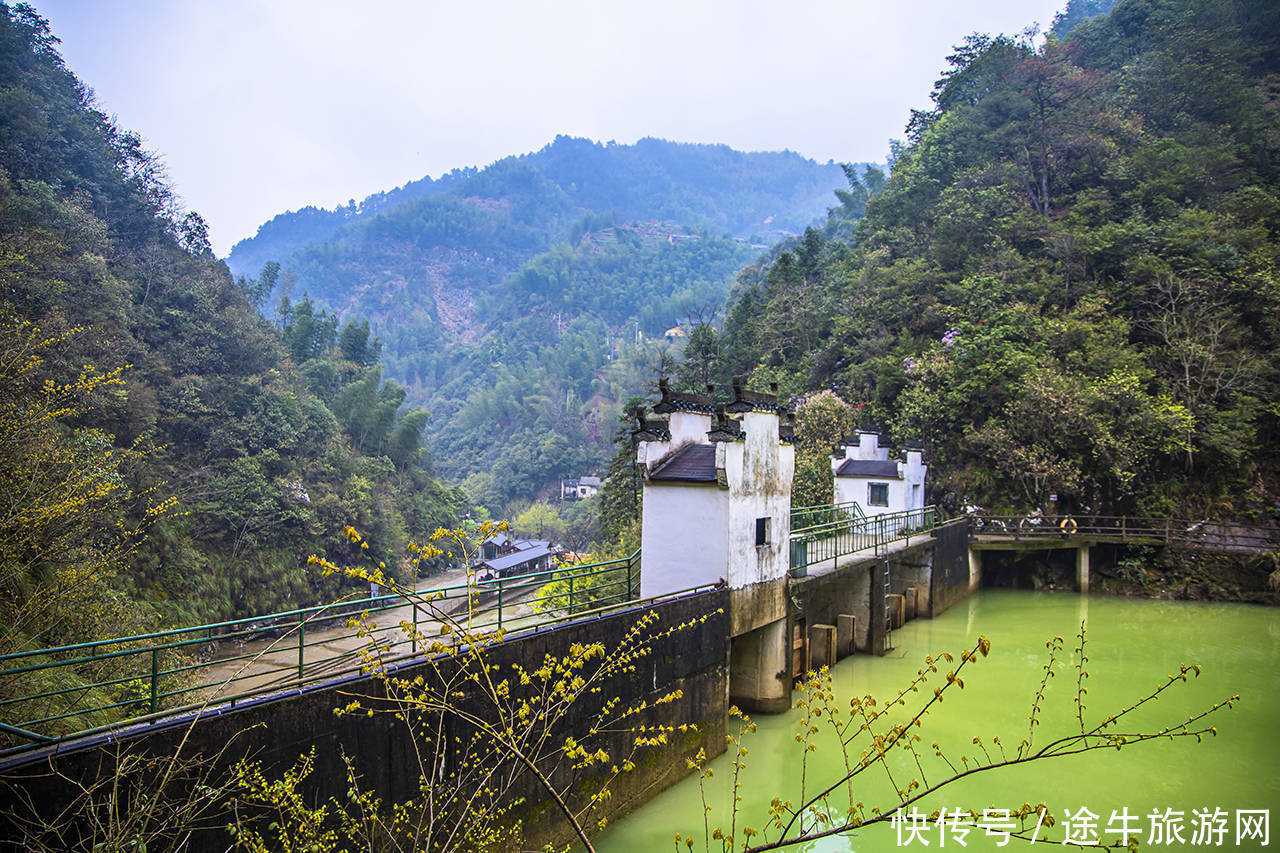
1132, 647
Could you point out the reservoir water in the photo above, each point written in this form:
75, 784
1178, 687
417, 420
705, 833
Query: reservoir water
1132, 647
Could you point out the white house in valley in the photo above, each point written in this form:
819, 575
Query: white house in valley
717, 509
866, 476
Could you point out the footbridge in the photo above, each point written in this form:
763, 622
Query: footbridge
1080, 533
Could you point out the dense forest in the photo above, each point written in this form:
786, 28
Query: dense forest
522, 302
1068, 285
167, 459
1065, 286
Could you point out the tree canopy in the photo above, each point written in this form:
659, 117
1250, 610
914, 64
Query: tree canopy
204, 404
1067, 285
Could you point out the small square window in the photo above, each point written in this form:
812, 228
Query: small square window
762, 531
878, 494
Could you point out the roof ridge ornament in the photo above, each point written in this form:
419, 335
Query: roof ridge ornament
726, 428
678, 401
787, 428
754, 401
649, 430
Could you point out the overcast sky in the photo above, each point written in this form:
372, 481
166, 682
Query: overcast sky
262, 106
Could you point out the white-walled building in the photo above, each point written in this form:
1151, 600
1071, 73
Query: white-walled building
717, 497
866, 476
579, 487
717, 507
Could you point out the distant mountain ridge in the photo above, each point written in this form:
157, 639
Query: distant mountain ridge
766, 194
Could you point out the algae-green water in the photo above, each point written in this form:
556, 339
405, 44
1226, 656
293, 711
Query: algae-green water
1132, 647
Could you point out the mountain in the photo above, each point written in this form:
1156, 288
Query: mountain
519, 303
765, 196
1068, 287
165, 460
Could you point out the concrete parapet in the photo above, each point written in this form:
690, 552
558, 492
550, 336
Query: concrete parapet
757, 605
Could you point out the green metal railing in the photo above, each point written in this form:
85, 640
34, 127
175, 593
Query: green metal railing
828, 541
812, 516
50, 693
1203, 533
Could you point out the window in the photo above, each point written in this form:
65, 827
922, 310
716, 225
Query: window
878, 494
762, 531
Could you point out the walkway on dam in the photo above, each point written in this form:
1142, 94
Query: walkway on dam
47, 695
1043, 531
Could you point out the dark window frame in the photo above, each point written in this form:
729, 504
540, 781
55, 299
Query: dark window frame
763, 531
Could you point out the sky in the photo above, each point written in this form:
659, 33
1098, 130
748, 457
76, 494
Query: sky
261, 106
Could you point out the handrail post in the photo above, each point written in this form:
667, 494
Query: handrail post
155, 679
302, 636
571, 594
628, 579
499, 604
413, 641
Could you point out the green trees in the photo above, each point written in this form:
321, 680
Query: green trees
70, 519
822, 421
1067, 286
236, 413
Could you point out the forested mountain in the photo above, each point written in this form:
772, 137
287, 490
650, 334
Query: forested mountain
514, 301
143, 394
1069, 283
759, 196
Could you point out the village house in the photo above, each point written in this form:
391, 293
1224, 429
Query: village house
502, 556
717, 509
867, 477
579, 487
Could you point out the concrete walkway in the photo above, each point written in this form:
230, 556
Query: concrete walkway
334, 645
866, 555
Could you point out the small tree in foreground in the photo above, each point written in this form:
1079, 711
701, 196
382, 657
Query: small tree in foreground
481, 731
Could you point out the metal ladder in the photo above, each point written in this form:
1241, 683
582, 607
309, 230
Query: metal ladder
888, 614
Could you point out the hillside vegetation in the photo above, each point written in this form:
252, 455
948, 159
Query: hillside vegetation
519, 303
1069, 284
144, 395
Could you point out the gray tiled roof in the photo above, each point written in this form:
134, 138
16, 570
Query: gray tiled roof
518, 558
868, 468
693, 464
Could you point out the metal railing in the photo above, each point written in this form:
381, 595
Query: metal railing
51, 693
828, 541
1202, 533
811, 516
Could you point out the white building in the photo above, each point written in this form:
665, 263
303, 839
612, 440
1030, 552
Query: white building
579, 487
717, 508
717, 497
866, 476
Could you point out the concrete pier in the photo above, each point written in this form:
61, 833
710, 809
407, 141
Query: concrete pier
759, 669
